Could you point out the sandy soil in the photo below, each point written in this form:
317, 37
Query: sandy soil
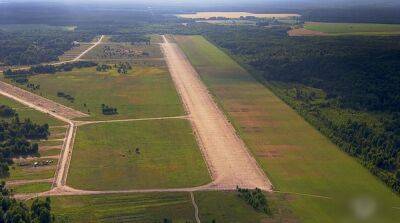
227, 157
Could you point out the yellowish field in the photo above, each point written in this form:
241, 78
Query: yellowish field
233, 15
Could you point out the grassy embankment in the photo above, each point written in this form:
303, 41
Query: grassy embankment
296, 157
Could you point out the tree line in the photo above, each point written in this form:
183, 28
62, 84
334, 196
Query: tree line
47, 69
33, 46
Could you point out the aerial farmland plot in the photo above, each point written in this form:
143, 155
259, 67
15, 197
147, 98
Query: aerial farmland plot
137, 155
133, 94
318, 177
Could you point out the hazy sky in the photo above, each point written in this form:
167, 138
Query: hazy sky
210, 3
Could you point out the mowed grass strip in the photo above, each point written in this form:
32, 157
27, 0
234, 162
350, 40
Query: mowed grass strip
105, 156
354, 28
140, 208
142, 92
295, 156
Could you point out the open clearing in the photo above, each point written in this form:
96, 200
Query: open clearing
295, 156
321, 28
142, 92
234, 15
228, 159
105, 156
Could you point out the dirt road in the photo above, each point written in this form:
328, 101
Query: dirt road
39, 103
227, 157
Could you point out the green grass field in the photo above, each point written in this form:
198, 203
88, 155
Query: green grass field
140, 208
31, 188
143, 92
354, 28
105, 156
31, 173
228, 207
295, 156
155, 207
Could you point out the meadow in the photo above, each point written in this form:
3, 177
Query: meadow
353, 28
229, 207
324, 184
141, 93
31, 188
140, 154
155, 207
141, 208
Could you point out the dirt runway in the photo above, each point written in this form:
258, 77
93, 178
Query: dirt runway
227, 157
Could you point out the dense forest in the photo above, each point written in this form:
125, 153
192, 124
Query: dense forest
318, 76
15, 136
27, 46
